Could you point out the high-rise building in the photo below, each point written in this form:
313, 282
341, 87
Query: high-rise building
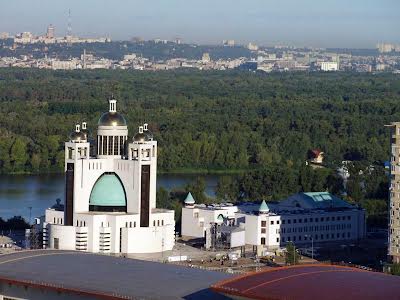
252, 47
50, 34
206, 57
229, 43
385, 47
394, 195
4, 35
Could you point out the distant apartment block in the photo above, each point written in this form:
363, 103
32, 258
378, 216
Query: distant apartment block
329, 66
252, 47
4, 35
229, 43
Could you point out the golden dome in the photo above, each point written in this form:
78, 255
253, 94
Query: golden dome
77, 137
112, 119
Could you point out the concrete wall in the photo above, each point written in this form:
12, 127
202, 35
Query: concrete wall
54, 217
65, 234
193, 226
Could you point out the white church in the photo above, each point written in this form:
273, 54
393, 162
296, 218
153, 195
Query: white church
110, 193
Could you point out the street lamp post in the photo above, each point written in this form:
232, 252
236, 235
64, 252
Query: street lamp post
30, 214
312, 245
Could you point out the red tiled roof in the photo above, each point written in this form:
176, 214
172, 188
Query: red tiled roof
303, 282
316, 152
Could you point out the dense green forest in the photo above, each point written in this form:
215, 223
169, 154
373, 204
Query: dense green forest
202, 120
260, 126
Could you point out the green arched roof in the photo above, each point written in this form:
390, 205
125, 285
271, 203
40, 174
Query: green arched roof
108, 191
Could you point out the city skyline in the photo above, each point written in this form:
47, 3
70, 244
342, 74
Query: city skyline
359, 24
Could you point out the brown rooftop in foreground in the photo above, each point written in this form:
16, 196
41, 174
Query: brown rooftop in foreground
303, 282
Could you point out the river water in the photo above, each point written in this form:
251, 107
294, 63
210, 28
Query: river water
20, 192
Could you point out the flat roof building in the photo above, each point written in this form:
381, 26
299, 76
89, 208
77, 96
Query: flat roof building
50, 274
301, 218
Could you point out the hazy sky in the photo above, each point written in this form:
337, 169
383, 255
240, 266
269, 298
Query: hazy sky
321, 23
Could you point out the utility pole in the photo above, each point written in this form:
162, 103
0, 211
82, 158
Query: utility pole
294, 254
30, 214
312, 245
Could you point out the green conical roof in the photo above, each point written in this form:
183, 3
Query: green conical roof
108, 191
263, 207
189, 199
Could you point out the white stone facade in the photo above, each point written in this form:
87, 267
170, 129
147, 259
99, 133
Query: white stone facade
88, 223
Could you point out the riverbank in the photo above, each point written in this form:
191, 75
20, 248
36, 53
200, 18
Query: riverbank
19, 193
189, 171
180, 171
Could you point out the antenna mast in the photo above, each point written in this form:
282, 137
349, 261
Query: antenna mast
69, 28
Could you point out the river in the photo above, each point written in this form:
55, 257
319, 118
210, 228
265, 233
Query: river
20, 192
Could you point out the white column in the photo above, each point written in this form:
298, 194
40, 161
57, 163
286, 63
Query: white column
119, 145
107, 145
112, 146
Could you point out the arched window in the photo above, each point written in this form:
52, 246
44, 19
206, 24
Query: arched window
108, 194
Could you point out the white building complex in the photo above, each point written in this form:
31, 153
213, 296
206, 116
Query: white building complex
110, 196
320, 217
329, 66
